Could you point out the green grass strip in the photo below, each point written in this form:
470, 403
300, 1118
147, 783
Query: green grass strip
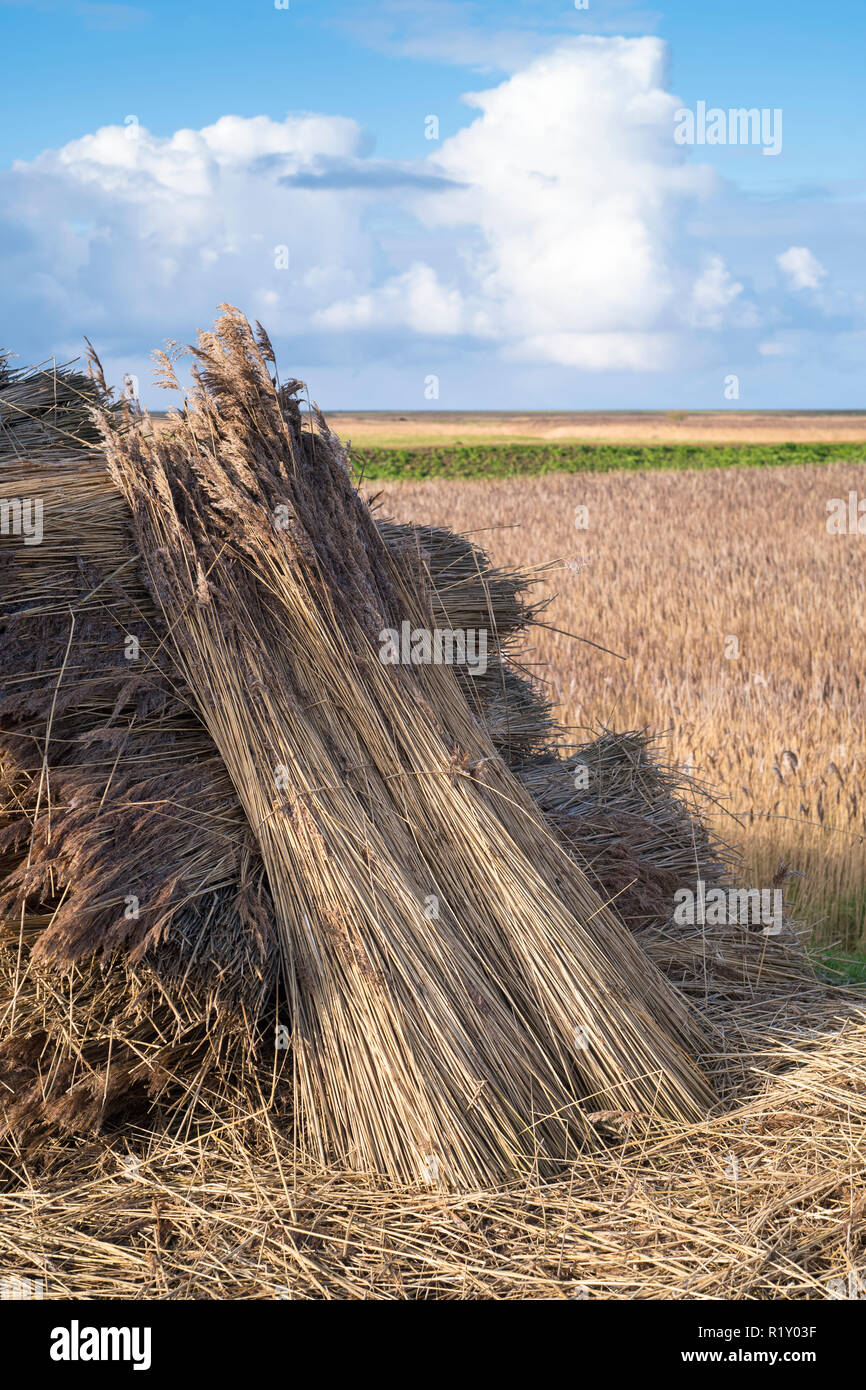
526, 460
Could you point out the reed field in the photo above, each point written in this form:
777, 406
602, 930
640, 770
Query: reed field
742, 624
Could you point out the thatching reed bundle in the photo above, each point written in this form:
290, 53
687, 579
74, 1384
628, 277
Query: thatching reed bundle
542, 966
111, 791
452, 1046
467, 593
637, 828
110, 782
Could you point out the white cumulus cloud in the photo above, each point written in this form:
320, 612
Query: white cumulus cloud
566, 197
124, 234
563, 228
804, 271
414, 300
715, 298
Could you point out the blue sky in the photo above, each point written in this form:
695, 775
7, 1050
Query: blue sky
552, 248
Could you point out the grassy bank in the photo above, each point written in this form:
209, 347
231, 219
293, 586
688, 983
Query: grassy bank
841, 967
510, 460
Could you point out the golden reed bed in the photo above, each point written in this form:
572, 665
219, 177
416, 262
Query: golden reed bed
743, 625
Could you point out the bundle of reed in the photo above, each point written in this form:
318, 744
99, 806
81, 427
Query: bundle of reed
115, 737
214, 966
469, 594
460, 1044
107, 783
154, 1016
160, 1031
112, 793
161, 1041
100, 751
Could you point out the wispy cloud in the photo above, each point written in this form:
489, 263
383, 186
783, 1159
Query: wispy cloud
112, 17
486, 38
371, 174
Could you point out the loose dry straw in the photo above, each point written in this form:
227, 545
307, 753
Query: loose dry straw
452, 1046
763, 1202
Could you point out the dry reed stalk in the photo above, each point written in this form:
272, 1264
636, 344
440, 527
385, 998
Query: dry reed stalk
452, 1047
628, 830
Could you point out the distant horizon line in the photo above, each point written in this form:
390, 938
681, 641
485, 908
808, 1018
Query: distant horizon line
517, 414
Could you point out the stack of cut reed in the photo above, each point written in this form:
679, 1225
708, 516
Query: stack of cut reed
209, 773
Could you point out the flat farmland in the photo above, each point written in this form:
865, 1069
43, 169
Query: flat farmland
432, 427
